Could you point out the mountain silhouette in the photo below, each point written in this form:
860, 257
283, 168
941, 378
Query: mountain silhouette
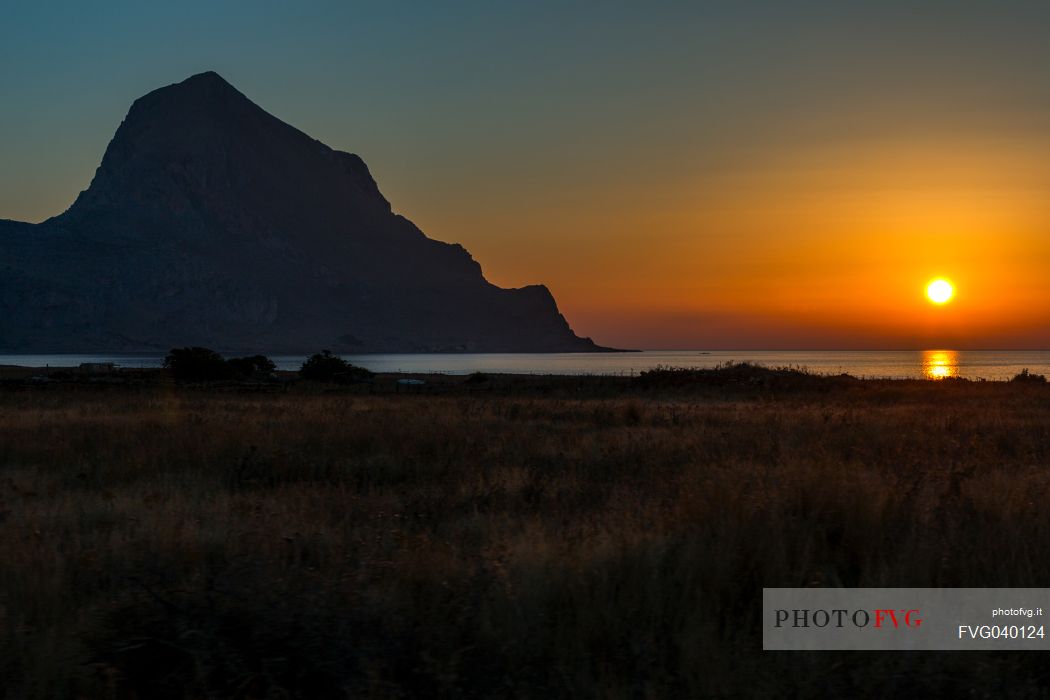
211, 222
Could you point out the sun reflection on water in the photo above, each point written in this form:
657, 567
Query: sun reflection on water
940, 364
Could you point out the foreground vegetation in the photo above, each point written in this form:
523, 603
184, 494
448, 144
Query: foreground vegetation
503, 538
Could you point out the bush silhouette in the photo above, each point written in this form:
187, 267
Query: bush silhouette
197, 365
326, 367
1029, 377
254, 367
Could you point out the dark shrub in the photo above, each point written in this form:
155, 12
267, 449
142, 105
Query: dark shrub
477, 378
197, 365
326, 367
254, 367
734, 374
1029, 377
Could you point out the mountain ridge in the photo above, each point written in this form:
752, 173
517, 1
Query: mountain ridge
210, 221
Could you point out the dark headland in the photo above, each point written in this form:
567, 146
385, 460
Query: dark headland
211, 222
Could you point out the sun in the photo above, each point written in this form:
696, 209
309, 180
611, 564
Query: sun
940, 291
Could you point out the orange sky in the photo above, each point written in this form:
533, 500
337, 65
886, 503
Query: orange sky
688, 175
829, 245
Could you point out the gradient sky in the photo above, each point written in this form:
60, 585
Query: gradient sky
681, 175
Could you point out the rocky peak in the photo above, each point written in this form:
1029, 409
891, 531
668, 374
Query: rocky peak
203, 150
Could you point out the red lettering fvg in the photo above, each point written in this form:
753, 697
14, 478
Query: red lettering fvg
909, 618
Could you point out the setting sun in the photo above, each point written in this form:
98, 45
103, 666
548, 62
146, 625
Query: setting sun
939, 291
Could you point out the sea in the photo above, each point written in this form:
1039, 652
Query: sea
994, 365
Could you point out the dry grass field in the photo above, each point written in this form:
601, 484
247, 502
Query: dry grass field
549, 538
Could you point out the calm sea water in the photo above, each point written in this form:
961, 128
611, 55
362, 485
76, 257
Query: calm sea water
971, 364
